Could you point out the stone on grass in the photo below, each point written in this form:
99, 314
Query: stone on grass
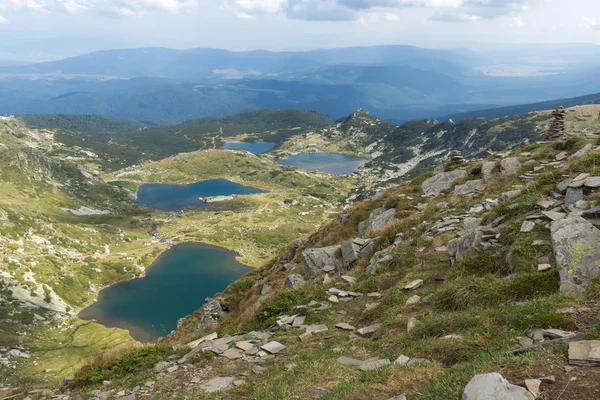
493, 386
585, 353
316, 328
273, 347
527, 226
402, 360
345, 327
414, 284
592, 182
543, 267
412, 322
533, 385
299, 321
349, 361
367, 330
443, 181
232, 354
293, 282
217, 384
510, 166
245, 346
413, 300
373, 364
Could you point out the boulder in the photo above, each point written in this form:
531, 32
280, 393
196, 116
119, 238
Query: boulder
487, 170
212, 312
470, 187
493, 386
314, 260
588, 147
353, 249
294, 281
510, 166
585, 353
443, 181
378, 219
576, 250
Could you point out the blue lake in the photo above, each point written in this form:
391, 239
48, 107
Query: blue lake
175, 286
333, 163
252, 147
170, 197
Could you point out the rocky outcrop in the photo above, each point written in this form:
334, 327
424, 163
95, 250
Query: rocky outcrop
488, 170
353, 249
510, 166
378, 219
314, 260
575, 242
438, 183
493, 386
212, 312
293, 282
470, 187
478, 238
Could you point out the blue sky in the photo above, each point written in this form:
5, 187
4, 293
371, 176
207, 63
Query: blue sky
49, 29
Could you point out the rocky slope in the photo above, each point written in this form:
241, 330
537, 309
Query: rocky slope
477, 280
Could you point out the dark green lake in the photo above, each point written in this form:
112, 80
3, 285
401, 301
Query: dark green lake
252, 147
175, 286
333, 163
170, 197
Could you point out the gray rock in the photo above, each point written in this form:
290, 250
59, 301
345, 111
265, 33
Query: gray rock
470, 187
314, 260
576, 250
502, 197
510, 166
349, 361
378, 219
402, 360
588, 147
273, 347
212, 312
573, 196
353, 249
585, 353
294, 281
217, 384
345, 327
487, 170
441, 182
527, 226
367, 330
591, 213
493, 386
592, 182
374, 364
563, 186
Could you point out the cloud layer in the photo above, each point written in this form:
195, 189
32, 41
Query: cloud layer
357, 10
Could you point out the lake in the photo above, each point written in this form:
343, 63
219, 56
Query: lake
333, 163
252, 147
170, 197
175, 286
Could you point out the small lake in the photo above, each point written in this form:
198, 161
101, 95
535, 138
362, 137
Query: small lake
170, 197
175, 286
252, 147
333, 163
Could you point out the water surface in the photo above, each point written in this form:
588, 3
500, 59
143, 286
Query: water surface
252, 147
175, 286
169, 197
333, 163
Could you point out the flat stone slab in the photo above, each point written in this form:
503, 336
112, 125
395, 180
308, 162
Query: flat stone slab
345, 327
374, 364
316, 328
443, 181
367, 330
493, 386
527, 226
414, 284
585, 353
273, 347
232, 354
217, 384
592, 182
349, 361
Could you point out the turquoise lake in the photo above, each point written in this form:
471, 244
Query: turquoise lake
170, 197
175, 286
333, 163
252, 147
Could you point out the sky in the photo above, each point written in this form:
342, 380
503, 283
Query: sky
39, 30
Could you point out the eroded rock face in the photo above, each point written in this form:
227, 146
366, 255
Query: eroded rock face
314, 260
212, 312
493, 386
379, 218
442, 181
576, 244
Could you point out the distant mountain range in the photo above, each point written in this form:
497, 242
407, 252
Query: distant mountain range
399, 83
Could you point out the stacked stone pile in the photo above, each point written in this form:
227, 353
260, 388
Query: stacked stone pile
557, 128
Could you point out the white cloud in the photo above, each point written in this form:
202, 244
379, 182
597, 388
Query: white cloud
517, 22
116, 7
356, 10
3, 20
590, 23
388, 16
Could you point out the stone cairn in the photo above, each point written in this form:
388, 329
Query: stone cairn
557, 128
524, 142
456, 157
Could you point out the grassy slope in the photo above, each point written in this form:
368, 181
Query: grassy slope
476, 300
